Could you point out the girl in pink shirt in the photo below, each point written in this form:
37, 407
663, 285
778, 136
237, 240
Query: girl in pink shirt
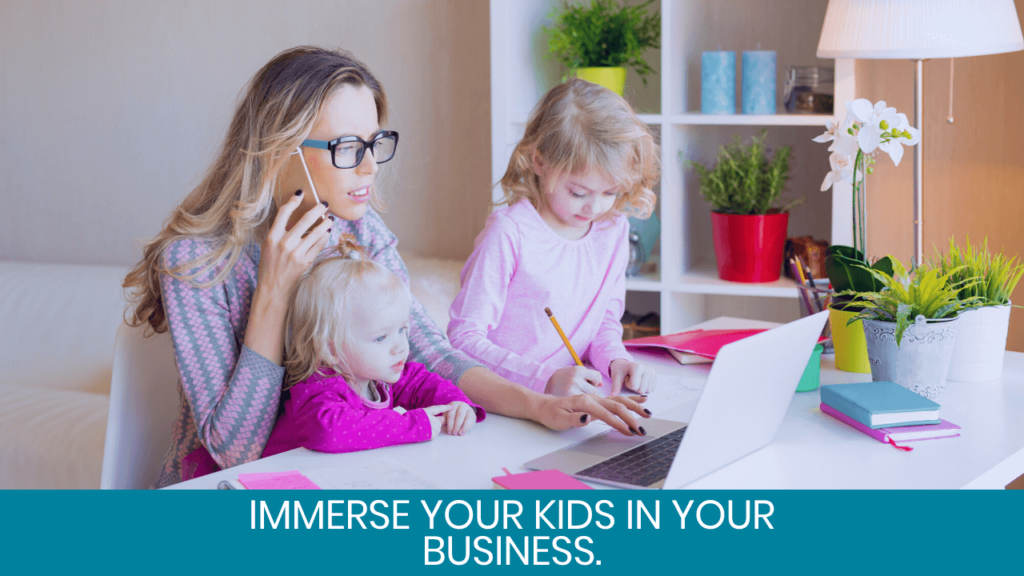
349, 386
585, 160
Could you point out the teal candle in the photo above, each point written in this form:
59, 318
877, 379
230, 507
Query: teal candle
718, 83
759, 82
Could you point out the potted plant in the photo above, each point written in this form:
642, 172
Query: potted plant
867, 129
844, 266
981, 337
747, 222
596, 42
911, 324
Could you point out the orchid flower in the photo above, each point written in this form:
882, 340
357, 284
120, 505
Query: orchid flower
842, 170
834, 128
903, 134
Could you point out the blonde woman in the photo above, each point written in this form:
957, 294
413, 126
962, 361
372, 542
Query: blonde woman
561, 243
221, 274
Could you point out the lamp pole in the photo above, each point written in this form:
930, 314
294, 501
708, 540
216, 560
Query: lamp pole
919, 162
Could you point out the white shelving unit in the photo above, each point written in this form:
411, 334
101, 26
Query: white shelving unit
686, 288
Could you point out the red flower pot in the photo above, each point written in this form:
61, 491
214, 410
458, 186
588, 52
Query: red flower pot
749, 248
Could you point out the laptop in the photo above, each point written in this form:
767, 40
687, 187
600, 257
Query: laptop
747, 393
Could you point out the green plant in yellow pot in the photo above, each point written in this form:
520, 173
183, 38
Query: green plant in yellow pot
598, 41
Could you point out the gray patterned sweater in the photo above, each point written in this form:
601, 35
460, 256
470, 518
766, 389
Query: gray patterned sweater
230, 394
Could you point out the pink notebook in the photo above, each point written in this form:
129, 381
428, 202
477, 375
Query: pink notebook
540, 480
705, 343
944, 429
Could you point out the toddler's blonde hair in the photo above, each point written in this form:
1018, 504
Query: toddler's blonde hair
577, 126
318, 319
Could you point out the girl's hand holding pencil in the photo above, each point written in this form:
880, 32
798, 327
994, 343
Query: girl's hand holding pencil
573, 380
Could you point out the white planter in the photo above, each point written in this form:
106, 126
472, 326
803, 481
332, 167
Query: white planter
921, 362
980, 345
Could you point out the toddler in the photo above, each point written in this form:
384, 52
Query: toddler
349, 386
562, 242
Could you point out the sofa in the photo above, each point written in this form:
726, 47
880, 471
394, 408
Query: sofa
57, 328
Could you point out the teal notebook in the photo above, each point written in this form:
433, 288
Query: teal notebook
880, 404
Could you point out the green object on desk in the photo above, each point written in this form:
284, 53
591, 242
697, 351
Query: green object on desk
812, 374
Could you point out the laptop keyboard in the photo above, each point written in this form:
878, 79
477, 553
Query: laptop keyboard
640, 466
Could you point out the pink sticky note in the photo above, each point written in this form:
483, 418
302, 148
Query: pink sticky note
293, 480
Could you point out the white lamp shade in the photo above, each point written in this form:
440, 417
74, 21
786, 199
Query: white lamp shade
919, 29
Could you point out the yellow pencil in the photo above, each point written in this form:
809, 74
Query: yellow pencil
564, 339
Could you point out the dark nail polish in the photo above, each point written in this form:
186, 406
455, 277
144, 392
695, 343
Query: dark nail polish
643, 395
583, 419
632, 430
324, 202
642, 431
331, 218
298, 192
329, 230
646, 411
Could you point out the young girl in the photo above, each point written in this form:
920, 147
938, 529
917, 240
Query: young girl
562, 243
349, 384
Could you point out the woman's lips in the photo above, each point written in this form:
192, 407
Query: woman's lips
360, 195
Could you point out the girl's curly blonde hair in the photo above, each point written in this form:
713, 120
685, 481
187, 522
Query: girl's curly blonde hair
577, 126
318, 319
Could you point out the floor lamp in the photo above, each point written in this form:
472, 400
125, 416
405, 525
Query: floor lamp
919, 30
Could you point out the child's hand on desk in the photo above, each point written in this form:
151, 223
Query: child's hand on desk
436, 416
573, 380
633, 376
460, 418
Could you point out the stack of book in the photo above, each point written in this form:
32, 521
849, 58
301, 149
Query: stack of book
887, 412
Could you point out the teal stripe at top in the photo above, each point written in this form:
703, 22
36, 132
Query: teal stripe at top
322, 144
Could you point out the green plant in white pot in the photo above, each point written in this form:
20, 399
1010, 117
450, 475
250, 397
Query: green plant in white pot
981, 337
598, 41
911, 325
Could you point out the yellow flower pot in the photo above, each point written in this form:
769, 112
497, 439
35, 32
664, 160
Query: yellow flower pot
850, 345
613, 79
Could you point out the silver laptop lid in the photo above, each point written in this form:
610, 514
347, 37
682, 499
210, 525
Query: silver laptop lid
746, 396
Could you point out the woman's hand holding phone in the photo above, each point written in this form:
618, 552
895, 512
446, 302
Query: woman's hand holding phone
286, 254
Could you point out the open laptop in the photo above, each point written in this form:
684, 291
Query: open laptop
748, 391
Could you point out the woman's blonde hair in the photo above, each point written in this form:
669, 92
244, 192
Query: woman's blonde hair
318, 320
578, 126
234, 204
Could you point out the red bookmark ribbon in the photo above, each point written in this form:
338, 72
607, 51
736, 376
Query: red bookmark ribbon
897, 446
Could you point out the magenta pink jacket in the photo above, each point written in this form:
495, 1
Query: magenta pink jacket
325, 414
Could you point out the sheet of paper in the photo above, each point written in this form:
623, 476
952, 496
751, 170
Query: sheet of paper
379, 474
293, 480
671, 391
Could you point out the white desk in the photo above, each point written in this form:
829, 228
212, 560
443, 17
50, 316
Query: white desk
810, 450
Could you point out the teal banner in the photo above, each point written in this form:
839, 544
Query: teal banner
442, 532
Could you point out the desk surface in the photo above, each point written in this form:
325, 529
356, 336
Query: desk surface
810, 450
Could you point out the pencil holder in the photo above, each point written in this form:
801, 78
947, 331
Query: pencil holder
812, 301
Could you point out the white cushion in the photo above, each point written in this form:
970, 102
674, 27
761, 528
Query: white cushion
435, 283
51, 438
57, 325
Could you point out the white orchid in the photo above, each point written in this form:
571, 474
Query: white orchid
842, 170
903, 134
868, 127
833, 129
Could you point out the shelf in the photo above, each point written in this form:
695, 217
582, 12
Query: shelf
703, 279
698, 119
781, 119
644, 284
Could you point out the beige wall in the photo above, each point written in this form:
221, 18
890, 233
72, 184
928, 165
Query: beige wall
973, 168
110, 111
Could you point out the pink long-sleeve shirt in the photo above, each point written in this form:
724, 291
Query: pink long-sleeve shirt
325, 414
519, 266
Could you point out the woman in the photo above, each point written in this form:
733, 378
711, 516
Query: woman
296, 171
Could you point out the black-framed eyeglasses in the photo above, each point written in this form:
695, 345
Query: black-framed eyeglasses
347, 151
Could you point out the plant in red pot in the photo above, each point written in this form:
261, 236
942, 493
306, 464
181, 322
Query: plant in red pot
747, 221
